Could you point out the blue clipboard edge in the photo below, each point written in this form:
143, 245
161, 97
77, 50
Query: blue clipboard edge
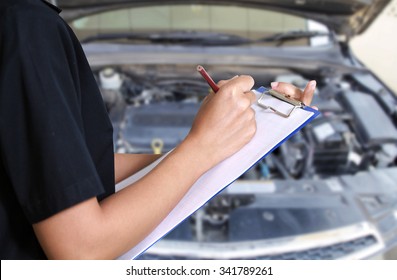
261, 90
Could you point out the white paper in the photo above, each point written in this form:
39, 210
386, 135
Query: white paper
271, 130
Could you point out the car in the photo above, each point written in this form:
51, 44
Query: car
329, 192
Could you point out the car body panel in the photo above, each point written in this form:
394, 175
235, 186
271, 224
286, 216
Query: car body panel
344, 17
329, 192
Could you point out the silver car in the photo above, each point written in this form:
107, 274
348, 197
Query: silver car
329, 192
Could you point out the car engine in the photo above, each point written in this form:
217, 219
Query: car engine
346, 138
152, 109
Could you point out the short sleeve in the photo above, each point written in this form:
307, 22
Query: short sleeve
42, 133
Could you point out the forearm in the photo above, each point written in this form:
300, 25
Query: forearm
127, 164
141, 207
224, 124
119, 222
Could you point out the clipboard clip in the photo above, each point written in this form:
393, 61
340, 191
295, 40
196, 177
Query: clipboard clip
286, 98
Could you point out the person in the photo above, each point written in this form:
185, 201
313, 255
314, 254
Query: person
57, 165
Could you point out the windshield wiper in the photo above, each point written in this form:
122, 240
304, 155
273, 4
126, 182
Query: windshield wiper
292, 35
113, 36
203, 38
177, 37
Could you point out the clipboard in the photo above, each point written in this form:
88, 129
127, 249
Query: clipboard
278, 118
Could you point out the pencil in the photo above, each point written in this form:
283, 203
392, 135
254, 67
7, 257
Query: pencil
207, 77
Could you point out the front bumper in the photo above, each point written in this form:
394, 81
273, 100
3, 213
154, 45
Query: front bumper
344, 217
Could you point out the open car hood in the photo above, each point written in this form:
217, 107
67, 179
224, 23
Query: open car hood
345, 17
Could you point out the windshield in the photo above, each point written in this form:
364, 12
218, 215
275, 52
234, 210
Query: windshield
240, 22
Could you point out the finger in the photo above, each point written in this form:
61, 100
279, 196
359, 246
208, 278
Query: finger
251, 96
287, 89
309, 92
241, 84
223, 82
208, 97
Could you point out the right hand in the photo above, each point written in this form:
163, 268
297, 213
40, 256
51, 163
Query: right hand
225, 121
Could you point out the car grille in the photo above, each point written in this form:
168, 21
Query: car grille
334, 251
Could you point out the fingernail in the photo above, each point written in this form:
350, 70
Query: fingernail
274, 84
234, 77
312, 84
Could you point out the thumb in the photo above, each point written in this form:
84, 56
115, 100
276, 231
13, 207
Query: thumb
309, 92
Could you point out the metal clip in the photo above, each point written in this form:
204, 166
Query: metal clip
286, 98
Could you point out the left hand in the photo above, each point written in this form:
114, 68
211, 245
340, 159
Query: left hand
305, 96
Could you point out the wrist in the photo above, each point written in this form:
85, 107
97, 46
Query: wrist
199, 156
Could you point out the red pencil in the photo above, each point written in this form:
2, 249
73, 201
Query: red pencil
207, 77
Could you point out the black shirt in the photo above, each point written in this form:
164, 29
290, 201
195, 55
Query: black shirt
56, 147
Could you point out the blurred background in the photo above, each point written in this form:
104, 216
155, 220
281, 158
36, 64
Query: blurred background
330, 191
377, 46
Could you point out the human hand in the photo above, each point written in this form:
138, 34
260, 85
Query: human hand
225, 121
305, 96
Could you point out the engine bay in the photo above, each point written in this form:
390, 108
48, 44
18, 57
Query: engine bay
353, 132
152, 109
